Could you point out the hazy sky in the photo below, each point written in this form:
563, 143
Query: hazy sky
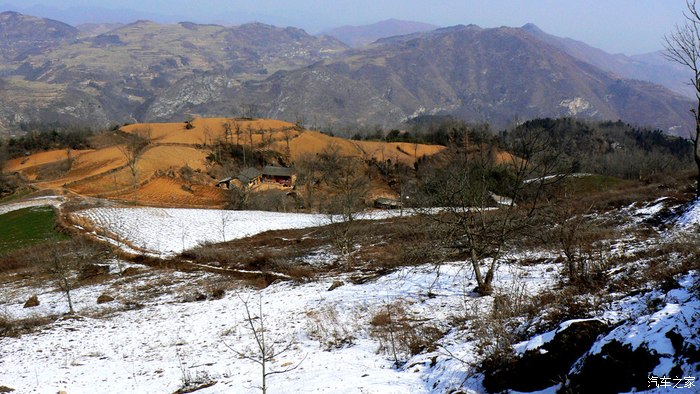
626, 26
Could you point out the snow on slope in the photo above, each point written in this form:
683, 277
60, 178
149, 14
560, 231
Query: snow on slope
680, 313
144, 350
691, 217
168, 231
34, 202
171, 230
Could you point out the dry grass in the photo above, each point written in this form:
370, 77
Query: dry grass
327, 327
18, 327
400, 334
103, 172
383, 247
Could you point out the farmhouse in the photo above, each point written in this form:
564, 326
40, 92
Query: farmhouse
387, 203
279, 175
250, 176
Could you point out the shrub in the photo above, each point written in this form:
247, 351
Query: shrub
326, 326
400, 335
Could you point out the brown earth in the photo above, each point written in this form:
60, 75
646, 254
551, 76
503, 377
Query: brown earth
104, 172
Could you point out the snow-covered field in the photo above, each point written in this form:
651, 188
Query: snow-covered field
146, 350
111, 349
149, 339
169, 231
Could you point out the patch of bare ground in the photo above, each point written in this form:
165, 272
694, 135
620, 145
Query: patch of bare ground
676, 188
379, 247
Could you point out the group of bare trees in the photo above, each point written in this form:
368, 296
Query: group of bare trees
7, 186
490, 197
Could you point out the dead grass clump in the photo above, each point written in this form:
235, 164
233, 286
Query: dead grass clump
32, 302
17, 327
130, 271
402, 335
104, 298
555, 306
217, 293
92, 272
11, 262
675, 257
326, 326
193, 296
497, 331
295, 269
399, 242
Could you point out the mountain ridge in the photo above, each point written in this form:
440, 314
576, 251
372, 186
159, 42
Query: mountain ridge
650, 67
145, 71
424, 74
357, 36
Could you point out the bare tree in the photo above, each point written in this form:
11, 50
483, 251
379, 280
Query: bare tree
208, 135
7, 185
299, 120
63, 272
683, 47
309, 177
131, 150
65, 260
227, 131
349, 186
480, 224
266, 348
239, 197
250, 134
225, 218
288, 134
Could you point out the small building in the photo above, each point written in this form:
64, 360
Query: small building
387, 203
250, 176
225, 182
501, 200
279, 175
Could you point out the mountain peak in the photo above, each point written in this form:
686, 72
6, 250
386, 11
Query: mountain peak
531, 27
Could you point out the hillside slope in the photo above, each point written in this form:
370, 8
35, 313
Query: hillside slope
651, 67
482, 75
153, 72
173, 169
124, 69
23, 35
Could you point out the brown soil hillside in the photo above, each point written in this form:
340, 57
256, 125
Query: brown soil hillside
39, 159
173, 170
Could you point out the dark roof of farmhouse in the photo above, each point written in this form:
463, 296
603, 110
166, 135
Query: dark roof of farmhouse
277, 171
248, 174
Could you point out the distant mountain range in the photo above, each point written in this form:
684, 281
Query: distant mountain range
652, 67
357, 36
144, 71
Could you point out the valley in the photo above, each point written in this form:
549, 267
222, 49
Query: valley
398, 207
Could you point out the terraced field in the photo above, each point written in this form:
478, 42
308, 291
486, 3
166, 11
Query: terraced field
173, 146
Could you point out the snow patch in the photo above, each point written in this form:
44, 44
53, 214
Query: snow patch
691, 217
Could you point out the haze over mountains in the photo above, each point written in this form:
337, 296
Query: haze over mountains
357, 36
651, 67
144, 71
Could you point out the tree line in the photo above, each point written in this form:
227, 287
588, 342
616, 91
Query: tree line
47, 137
